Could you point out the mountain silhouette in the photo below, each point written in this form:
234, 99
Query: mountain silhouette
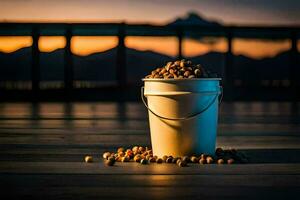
102, 67
16, 66
194, 19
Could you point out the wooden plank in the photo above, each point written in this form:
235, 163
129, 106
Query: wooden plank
91, 180
144, 118
76, 155
124, 192
132, 124
136, 109
239, 142
97, 131
135, 168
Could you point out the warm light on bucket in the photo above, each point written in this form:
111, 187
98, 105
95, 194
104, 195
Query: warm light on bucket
183, 115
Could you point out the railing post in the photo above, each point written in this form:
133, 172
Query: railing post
293, 65
68, 62
228, 71
179, 36
121, 58
35, 68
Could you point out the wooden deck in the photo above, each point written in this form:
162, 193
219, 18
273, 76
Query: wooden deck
42, 148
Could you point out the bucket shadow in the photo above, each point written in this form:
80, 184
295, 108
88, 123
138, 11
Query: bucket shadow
256, 156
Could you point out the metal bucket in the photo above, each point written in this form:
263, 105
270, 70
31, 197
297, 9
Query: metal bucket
183, 115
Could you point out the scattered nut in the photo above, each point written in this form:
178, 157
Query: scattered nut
88, 159
220, 161
230, 161
174, 160
152, 159
203, 156
106, 155
187, 73
197, 72
125, 159
182, 163
219, 152
164, 158
169, 159
111, 158
109, 162
202, 161
209, 160
194, 159
137, 158
135, 149
186, 159
144, 161
144, 155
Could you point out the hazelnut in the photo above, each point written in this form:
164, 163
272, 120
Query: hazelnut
169, 160
163, 71
230, 161
88, 159
203, 156
219, 152
164, 158
144, 161
182, 63
187, 73
106, 155
186, 159
137, 158
152, 159
182, 164
220, 161
159, 160
135, 148
202, 161
109, 162
209, 160
174, 160
125, 159
177, 63
111, 158
194, 159
121, 153
197, 72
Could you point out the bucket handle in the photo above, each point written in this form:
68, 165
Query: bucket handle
182, 118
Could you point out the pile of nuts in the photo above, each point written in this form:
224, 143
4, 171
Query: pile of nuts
144, 155
180, 69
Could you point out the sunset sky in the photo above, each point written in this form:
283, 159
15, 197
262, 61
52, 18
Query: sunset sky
237, 12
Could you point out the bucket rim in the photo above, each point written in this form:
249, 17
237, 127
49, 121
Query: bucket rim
181, 79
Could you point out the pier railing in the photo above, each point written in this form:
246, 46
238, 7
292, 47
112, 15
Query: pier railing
121, 30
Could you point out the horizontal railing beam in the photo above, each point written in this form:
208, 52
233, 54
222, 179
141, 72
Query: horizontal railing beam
111, 29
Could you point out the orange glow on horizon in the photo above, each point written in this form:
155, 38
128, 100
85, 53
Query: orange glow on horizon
86, 45
193, 47
163, 45
51, 43
9, 44
258, 49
